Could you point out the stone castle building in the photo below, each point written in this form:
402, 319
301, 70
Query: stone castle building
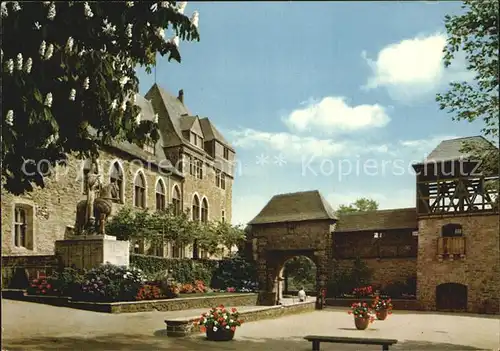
190, 167
448, 244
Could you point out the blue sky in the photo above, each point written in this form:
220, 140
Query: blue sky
301, 87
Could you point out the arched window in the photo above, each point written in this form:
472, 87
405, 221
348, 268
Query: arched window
140, 191
204, 211
116, 176
160, 195
196, 208
176, 200
451, 229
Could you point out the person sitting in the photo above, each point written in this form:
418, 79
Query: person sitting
302, 295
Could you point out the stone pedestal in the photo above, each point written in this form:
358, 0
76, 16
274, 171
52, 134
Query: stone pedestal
266, 298
87, 252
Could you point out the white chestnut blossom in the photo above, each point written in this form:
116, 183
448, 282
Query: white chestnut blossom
49, 52
129, 3
128, 31
108, 28
9, 119
86, 83
27, 65
160, 32
52, 11
69, 44
72, 94
155, 119
38, 25
15, 6
124, 80
195, 19
19, 62
175, 41
138, 118
124, 105
42, 48
82, 52
10, 66
87, 10
4, 10
181, 6
114, 104
48, 100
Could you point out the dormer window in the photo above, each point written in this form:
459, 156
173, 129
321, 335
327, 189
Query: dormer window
196, 140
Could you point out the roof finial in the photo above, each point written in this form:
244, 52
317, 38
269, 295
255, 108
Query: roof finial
181, 96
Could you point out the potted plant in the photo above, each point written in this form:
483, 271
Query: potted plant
382, 308
219, 323
363, 315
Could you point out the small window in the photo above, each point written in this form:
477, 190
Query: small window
191, 166
198, 169
140, 191
178, 251
377, 235
176, 201
158, 249
226, 153
451, 229
160, 196
204, 211
21, 226
195, 209
223, 181
217, 178
149, 146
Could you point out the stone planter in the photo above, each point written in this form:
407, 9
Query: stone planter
361, 323
219, 335
381, 314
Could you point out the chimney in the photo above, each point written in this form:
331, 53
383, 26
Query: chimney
181, 96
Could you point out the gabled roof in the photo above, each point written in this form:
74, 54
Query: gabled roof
186, 122
400, 218
450, 150
211, 132
295, 207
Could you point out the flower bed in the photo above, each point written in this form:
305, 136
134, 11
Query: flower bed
109, 283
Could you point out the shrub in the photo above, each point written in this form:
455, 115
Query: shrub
187, 289
112, 283
68, 281
42, 286
219, 317
235, 272
149, 292
362, 310
363, 291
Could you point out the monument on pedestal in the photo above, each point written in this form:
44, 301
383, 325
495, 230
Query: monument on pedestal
87, 245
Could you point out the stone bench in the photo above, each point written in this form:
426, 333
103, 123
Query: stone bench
316, 340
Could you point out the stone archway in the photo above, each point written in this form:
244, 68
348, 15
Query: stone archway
297, 224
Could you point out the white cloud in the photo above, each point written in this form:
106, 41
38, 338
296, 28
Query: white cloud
402, 198
293, 147
333, 114
413, 68
424, 146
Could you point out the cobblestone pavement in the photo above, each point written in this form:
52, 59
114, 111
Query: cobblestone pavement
30, 326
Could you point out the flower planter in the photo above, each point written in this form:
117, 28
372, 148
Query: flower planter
381, 314
219, 335
361, 323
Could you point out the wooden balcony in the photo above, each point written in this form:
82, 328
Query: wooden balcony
451, 248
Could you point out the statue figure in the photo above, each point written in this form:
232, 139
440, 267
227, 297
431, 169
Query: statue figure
91, 213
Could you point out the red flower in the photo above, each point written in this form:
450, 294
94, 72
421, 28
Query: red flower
233, 329
233, 309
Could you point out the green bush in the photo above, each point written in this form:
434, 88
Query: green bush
301, 272
184, 271
68, 281
237, 273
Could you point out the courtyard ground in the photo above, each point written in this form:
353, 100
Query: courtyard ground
30, 326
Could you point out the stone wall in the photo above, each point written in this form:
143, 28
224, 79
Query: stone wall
479, 270
386, 270
53, 208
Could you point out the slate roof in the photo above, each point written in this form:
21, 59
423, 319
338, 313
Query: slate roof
400, 218
295, 207
449, 150
182, 119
